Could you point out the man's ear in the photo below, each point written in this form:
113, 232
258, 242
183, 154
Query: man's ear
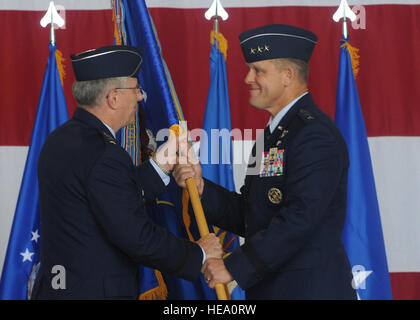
289, 75
112, 99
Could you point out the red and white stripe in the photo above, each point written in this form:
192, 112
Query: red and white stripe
388, 88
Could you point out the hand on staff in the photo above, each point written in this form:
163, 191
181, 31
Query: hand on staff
211, 245
214, 271
174, 151
190, 169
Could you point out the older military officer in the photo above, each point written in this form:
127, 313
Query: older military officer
93, 217
292, 208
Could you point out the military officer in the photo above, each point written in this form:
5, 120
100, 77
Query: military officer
292, 207
93, 219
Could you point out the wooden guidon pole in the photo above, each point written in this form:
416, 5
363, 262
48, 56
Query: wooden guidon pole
202, 226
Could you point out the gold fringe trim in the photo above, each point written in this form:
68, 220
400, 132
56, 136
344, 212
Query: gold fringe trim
116, 32
158, 293
222, 44
176, 129
60, 65
354, 57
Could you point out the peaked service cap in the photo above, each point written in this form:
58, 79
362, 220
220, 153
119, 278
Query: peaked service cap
107, 62
277, 41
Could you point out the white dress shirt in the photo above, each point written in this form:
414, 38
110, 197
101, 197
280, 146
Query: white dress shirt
273, 122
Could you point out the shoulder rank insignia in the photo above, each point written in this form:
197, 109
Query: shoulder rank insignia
275, 195
109, 138
307, 115
272, 163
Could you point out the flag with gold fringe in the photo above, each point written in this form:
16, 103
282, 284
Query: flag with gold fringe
134, 139
362, 235
160, 110
23, 251
216, 154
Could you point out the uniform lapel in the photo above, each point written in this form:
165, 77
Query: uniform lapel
281, 130
275, 138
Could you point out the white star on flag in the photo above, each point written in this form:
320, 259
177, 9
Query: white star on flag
27, 255
35, 236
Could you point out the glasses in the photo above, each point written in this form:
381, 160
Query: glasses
137, 87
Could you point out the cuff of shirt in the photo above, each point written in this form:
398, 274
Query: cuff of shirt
204, 255
165, 178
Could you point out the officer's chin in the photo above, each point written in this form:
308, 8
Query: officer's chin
256, 105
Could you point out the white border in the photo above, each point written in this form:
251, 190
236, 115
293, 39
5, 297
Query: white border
204, 4
42, 5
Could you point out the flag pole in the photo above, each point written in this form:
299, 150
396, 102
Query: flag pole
191, 186
22, 259
51, 17
344, 12
203, 227
362, 234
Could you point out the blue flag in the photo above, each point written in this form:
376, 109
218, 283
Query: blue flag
362, 236
162, 106
162, 111
216, 151
24, 242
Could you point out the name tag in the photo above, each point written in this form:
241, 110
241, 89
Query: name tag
272, 163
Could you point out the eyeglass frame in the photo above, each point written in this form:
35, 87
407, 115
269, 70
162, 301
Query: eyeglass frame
138, 87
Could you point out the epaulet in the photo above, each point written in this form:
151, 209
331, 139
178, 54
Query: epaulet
295, 124
305, 114
299, 120
108, 138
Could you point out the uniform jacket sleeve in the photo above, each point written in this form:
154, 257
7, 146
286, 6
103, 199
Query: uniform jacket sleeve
150, 180
315, 166
116, 200
224, 208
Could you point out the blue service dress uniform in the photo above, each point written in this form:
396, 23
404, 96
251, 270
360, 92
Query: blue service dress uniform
291, 214
93, 217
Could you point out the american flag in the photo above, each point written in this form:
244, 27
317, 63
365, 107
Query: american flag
386, 32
